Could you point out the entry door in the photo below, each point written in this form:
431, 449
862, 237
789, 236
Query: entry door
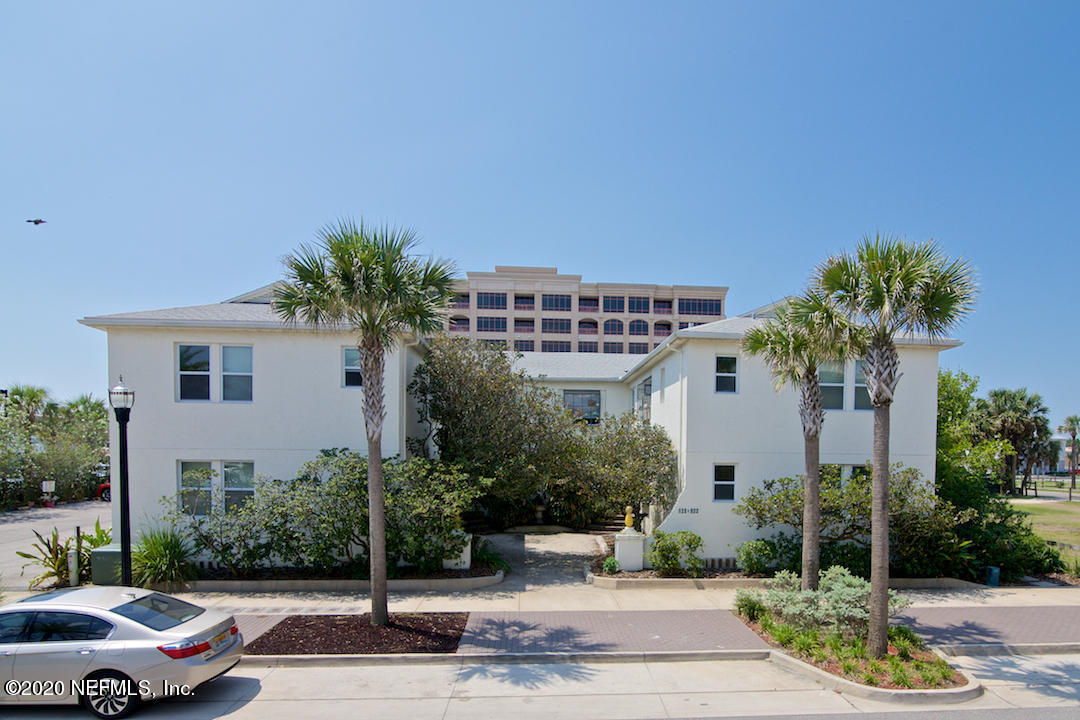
58, 648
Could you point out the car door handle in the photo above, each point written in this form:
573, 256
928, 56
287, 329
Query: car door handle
85, 651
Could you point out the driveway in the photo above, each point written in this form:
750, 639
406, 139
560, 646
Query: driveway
17, 533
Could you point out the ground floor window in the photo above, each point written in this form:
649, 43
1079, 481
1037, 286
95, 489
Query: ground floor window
207, 484
584, 404
723, 482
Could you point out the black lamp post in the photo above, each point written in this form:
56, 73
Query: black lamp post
121, 399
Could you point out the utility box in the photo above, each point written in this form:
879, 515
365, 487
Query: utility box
993, 576
105, 565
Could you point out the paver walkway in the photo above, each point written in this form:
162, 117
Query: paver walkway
995, 625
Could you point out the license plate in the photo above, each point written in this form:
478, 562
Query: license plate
219, 640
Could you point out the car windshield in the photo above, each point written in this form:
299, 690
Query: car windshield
159, 612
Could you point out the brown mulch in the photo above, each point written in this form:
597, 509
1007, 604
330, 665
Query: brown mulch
833, 667
287, 573
354, 634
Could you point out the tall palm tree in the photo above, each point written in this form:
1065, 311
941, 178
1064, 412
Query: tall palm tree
363, 279
807, 333
1020, 418
1071, 428
892, 287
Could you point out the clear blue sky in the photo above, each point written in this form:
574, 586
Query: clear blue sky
178, 151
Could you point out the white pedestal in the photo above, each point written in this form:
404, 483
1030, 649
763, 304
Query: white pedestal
630, 550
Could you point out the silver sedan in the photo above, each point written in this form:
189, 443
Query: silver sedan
111, 648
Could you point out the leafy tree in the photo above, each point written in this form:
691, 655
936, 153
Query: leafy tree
363, 279
893, 288
1021, 419
807, 333
965, 457
1071, 427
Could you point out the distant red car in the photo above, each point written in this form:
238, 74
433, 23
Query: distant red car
104, 491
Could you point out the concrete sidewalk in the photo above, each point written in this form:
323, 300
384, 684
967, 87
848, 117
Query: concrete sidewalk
951, 625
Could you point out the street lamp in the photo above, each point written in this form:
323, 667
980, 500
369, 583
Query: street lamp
121, 399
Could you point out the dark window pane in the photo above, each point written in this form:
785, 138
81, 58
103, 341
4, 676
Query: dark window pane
12, 626
586, 347
832, 397
862, 399
725, 364
725, 383
194, 387
724, 491
353, 378
524, 345
724, 473
236, 387
158, 612
236, 498
195, 358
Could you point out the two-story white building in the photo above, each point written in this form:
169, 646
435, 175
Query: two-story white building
228, 387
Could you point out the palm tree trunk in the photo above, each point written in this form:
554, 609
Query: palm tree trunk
878, 641
811, 542
373, 362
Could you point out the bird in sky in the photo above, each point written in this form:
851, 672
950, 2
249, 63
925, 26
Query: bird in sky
37, 221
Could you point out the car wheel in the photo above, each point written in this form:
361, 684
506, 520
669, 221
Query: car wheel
116, 702
106, 494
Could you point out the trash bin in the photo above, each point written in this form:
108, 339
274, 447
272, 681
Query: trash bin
993, 575
105, 565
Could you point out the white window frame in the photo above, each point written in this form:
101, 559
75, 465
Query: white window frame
216, 487
180, 489
209, 372
733, 375
346, 368
225, 374
842, 384
224, 489
733, 482
855, 395
599, 404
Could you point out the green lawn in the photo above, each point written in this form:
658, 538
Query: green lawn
1058, 521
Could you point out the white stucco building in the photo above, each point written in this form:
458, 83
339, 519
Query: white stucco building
227, 386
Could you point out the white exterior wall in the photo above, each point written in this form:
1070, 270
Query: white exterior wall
615, 397
758, 431
299, 406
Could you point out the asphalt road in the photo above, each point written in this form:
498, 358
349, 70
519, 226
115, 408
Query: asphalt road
17, 533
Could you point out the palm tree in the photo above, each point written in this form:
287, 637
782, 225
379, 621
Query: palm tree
806, 333
1020, 418
364, 280
892, 287
1071, 428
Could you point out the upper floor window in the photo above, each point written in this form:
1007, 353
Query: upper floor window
831, 379
491, 301
639, 327
643, 398
614, 304
524, 345
661, 307
555, 346
353, 376
639, 348
587, 347
555, 325
459, 324
588, 305
236, 375
638, 304
662, 329
194, 371
700, 306
613, 347
587, 327
524, 302
723, 482
726, 366
524, 325
613, 327
584, 404
862, 394
460, 301
491, 324
557, 303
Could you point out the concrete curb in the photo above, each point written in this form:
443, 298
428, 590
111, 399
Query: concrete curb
501, 658
985, 649
969, 691
406, 584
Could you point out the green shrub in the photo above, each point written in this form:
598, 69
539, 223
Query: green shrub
749, 604
484, 553
755, 557
869, 678
670, 553
875, 666
899, 675
611, 565
848, 667
835, 643
88, 542
164, 556
807, 642
784, 634
820, 655
905, 633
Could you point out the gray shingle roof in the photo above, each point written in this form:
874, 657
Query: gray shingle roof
215, 315
576, 366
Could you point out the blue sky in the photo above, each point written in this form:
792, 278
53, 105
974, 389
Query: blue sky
178, 151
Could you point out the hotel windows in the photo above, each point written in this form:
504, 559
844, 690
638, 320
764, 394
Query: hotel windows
491, 301
459, 324
831, 379
558, 303
587, 347
661, 307
555, 325
588, 305
613, 347
491, 324
639, 304
639, 327
524, 302
524, 345
555, 346
587, 327
613, 327
639, 348
726, 366
614, 304
460, 301
723, 482
493, 342
662, 329
524, 325
700, 306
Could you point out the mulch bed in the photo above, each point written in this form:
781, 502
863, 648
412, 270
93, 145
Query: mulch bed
832, 666
287, 573
355, 635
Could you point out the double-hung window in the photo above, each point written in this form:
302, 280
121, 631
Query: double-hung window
831, 379
723, 482
236, 376
862, 394
193, 362
353, 377
584, 404
726, 367
196, 487
238, 483
208, 484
